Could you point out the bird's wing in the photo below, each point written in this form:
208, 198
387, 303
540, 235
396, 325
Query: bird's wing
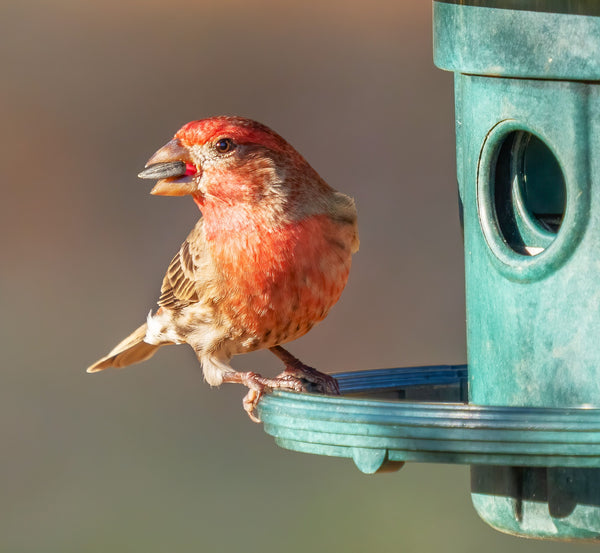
181, 285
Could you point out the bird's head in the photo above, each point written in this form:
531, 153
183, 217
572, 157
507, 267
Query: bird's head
229, 160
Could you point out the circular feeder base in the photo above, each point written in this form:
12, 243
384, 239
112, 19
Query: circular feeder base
535, 471
414, 427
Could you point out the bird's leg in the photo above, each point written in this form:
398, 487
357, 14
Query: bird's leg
259, 385
296, 369
295, 378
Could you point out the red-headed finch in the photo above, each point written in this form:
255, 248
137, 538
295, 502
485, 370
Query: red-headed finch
266, 261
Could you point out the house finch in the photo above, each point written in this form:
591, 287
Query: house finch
267, 260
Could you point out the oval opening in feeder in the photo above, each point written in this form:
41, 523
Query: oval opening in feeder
529, 193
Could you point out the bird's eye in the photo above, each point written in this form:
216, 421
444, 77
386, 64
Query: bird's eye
224, 145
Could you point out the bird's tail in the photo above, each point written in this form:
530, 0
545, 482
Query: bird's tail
131, 350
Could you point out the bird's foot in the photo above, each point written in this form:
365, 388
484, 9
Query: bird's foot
318, 381
294, 368
259, 386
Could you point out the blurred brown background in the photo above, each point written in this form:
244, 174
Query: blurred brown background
151, 459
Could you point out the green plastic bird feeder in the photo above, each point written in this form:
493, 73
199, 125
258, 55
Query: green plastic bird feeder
526, 413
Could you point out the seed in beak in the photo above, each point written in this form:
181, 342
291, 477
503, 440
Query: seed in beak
167, 169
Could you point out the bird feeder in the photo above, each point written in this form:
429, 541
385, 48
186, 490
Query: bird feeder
525, 412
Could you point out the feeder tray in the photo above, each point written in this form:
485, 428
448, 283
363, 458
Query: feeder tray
380, 433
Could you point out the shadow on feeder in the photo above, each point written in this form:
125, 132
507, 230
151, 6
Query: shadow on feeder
529, 193
562, 489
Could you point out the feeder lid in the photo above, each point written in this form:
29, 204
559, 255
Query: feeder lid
542, 39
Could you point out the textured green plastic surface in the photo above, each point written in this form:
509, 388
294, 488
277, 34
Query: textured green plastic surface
533, 323
374, 432
518, 43
576, 7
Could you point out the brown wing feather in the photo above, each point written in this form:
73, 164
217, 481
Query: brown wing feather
181, 285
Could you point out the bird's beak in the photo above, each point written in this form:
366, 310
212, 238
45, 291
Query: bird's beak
174, 167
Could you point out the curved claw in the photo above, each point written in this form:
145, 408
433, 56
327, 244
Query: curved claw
259, 386
250, 402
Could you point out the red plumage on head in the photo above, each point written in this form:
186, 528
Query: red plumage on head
240, 129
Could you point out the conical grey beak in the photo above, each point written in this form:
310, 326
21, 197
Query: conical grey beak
174, 169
